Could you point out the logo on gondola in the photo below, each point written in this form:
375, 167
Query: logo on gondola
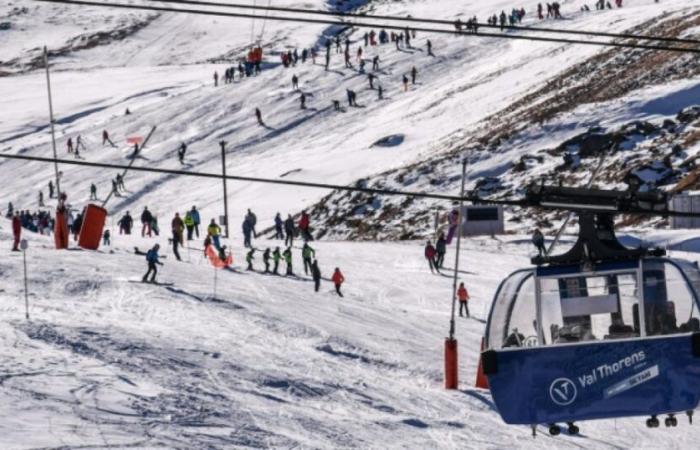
562, 391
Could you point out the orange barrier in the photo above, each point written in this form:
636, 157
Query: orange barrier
451, 364
481, 380
214, 259
92, 227
60, 230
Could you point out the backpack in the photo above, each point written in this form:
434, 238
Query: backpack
151, 256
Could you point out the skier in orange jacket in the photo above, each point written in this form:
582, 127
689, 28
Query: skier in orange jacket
338, 280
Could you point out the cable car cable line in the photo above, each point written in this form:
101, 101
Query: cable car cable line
523, 203
433, 21
375, 25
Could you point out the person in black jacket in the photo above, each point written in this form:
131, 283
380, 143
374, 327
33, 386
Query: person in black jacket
316, 274
146, 221
289, 230
125, 223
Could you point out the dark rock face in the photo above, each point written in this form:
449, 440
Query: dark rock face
589, 144
688, 114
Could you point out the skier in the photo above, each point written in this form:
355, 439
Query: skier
105, 137
304, 226
16, 231
77, 223
440, 249
302, 100
249, 258
414, 72
276, 256
195, 218
154, 225
253, 219
288, 260
214, 231
120, 182
307, 253
266, 260
463, 296
295, 82
430, 47
290, 230
258, 115
405, 83
430, 256
125, 224
93, 192
79, 143
316, 275
181, 153
375, 63
371, 77
146, 222
189, 224
41, 199
152, 259
106, 238
115, 188
279, 224
538, 241
69, 145
380, 92
348, 65
216, 79
247, 231
338, 279
50, 189
178, 227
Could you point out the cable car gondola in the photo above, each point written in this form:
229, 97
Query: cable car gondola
601, 331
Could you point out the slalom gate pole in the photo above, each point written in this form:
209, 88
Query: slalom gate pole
51, 121
451, 359
26, 288
223, 172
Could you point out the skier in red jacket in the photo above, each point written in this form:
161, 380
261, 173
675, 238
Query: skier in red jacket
304, 223
430, 256
463, 296
16, 231
338, 280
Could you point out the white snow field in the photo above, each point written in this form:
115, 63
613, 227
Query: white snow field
106, 361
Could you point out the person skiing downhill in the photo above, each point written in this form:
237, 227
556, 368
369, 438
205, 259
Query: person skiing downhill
93, 192
338, 279
258, 116
430, 256
316, 275
440, 249
304, 226
152, 258
307, 253
463, 297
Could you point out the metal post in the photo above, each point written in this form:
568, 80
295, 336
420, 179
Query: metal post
459, 242
640, 299
143, 144
51, 121
24, 247
223, 171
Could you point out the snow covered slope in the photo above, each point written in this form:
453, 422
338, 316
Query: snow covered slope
264, 362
